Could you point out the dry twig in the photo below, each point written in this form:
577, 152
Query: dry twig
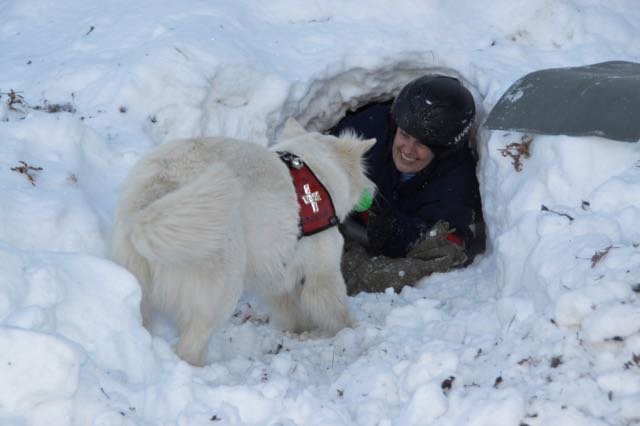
26, 170
598, 255
16, 101
547, 209
517, 151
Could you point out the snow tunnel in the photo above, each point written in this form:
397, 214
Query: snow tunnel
322, 103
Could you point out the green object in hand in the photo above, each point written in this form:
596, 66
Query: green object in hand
365, 201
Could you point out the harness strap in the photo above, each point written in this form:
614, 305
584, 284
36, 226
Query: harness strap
316, 206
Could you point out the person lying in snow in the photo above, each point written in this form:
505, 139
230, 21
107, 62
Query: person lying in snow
421, 218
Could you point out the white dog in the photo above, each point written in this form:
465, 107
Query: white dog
200, 220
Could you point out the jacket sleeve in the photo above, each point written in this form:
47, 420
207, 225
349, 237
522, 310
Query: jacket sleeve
392, 233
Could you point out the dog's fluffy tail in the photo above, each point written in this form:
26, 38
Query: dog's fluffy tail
190, 223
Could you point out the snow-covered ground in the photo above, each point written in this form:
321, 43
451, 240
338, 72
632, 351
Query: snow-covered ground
543, 329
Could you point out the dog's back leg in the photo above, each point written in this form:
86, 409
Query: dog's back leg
209, 303
200, 298
123, 252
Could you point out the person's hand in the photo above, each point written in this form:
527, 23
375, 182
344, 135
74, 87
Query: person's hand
435, 246
380, 228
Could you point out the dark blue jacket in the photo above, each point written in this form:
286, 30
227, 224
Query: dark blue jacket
447, 189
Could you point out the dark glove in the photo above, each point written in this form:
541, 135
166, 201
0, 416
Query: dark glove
352, 230
435, 247
380, 228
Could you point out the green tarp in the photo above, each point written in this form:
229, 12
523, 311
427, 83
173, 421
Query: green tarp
594, 100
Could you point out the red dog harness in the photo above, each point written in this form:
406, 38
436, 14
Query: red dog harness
316, 207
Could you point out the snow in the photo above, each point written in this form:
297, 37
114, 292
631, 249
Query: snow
543, 328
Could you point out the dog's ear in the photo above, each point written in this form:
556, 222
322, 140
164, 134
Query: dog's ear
367, 144
354, 147
292, 129
361, 146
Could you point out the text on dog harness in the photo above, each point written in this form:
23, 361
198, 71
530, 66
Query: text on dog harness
316, 206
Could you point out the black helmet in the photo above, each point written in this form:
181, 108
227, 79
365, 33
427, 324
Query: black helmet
436, 109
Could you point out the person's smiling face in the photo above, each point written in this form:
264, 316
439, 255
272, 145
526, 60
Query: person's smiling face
409, 154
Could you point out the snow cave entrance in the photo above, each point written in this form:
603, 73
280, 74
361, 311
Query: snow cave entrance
328, 100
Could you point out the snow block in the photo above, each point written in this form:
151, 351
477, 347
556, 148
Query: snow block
35, 369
